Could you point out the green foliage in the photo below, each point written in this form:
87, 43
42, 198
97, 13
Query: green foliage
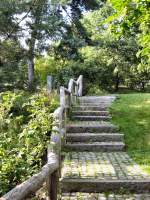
132, 113
25, 126
45, 66
110, 60
118, 51
95, 90
12, 68
133, 19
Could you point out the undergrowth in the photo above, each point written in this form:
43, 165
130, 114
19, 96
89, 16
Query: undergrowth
25, 128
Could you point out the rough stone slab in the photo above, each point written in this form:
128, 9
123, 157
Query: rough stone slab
91, 185
90, 127
100, 104
92, 107
102, 172
104, 97
96, 146
104, 196
92, 118
96, 99
94, 137
90, 112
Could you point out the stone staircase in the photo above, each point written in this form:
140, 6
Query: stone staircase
96, 166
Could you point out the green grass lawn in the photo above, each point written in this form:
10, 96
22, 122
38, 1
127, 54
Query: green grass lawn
132, 113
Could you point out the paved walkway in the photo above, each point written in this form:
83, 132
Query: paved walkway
96, 166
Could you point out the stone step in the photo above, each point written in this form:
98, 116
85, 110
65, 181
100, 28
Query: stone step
104, 196
102, 172
91, 113
91, 127
95, 185
95, 146
90, 107
103, 104
92, 118
97, 98
94, 137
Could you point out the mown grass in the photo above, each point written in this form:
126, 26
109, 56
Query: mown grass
132, 113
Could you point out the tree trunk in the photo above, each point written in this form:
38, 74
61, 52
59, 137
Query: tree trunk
117, 82
30, 62
143, 86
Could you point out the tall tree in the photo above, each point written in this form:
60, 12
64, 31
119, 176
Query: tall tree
44, 23
134, 20
75, 34
35, 23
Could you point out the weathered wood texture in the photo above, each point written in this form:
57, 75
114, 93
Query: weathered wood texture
80, 84
68, 96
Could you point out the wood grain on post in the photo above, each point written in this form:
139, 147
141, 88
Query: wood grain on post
62, 97
80, 83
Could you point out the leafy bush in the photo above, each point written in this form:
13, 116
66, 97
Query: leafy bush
95, 90
25, 126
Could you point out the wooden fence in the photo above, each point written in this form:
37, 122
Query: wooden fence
50, 172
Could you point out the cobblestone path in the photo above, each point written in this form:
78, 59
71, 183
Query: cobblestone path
96, 166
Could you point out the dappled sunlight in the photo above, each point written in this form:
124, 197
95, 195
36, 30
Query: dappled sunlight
147, 102
109, 166
143, 122
135, 106
88, 170
134, 170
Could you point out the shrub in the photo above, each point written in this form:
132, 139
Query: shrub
25, 126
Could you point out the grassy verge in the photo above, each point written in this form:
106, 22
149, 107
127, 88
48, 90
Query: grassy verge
132, 113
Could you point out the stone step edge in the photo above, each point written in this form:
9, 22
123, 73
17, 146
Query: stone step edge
91, 125
89, 108
91, 128
91, 116
94, 137
104, 196
95, 185
93, 134
97, 143
95, 147
91, 113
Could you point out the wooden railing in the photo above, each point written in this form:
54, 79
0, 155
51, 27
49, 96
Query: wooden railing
50, 172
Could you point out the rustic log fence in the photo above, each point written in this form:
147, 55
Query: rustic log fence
50, 172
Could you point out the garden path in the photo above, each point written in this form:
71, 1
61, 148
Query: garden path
96, 166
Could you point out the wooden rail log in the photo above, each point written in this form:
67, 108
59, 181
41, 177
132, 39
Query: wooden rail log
71, 85
34, 183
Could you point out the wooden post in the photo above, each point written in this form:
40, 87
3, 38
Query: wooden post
76, 93
62, 97
49, 83
48, 185
52, 185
